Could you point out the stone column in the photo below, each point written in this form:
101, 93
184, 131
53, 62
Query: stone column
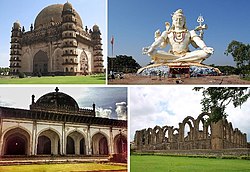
63, 141
89, 141
111, 141
34, 138
217, 135
77, 146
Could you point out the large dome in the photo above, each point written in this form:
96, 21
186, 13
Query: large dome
57, 99
53, 13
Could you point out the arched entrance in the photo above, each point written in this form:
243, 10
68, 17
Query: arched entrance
120, 142
100, 144
40, 62
44, 145
82, 147
16, 142
76, 143
84, 63
48, 143
70, 145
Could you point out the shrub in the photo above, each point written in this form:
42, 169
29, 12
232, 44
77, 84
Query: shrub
21, 75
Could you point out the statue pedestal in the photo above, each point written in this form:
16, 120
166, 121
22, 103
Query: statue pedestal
179, 69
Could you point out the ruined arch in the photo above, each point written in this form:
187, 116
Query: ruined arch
16, 141
158, 134
40, 62
191, 123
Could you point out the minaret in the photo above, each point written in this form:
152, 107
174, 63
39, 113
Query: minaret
69, 39
98, 56
15, 48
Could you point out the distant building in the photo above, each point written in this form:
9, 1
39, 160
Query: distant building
56, 125
56, 44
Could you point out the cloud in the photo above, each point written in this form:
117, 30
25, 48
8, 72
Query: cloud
103, 113
121, 110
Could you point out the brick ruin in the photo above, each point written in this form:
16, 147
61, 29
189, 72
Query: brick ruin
215, 136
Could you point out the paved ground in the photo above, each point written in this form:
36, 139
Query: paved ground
133, 79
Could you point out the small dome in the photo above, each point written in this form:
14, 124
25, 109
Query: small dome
54, 12
17, 25
58, 99
67, 7
96, 28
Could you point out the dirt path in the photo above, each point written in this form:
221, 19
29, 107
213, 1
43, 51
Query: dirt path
133, 79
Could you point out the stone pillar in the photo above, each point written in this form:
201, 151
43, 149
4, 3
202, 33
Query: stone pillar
111, 146
34, 138
89, 141
217, 135
63, 141
77, 146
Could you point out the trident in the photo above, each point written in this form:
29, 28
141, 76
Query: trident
201, 27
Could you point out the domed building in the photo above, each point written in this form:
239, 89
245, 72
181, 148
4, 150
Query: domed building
56, 125
56, 44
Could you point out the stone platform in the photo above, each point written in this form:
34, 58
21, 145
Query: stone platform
179, 69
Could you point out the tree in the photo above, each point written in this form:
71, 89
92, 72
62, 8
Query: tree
241, 55
215, 100
123, 63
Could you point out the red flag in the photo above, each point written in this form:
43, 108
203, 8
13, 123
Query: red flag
112, 43
112, 40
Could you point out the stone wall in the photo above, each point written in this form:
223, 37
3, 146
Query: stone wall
191, 134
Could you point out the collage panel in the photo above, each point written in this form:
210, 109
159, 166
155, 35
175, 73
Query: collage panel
189, 128
71, 128
175, 42
53, 42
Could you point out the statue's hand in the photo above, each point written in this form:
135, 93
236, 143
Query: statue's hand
146, 50
208, 50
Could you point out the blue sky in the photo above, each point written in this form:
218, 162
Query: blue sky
91, 12
133, 23
105, 98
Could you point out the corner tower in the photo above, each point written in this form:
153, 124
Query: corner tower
69, 39
15, 48
98, 56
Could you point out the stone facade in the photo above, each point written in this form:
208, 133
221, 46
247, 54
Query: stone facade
215, 136
55, 125
56, 44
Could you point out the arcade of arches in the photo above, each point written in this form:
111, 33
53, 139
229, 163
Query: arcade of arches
59, 128
191, 134
19, 141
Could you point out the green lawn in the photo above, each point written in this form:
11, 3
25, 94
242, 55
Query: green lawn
90, 79
153, 163
60, 167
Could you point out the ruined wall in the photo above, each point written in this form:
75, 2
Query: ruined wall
191, 134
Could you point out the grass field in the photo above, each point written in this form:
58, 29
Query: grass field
60, 168
150, 163
89, 79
